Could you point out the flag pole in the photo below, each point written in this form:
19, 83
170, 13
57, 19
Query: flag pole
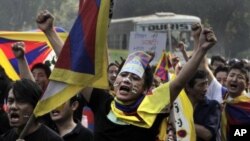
32, 117
27, 126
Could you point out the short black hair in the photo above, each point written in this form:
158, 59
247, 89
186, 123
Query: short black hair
113, 64
45, 67
199, 74
5, 84
76, 97
217, 58
77, 115
221, 69
233, 61
26, 90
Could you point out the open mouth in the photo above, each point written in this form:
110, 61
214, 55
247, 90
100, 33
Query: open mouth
14, 117
55, 112
125, 89
233, 86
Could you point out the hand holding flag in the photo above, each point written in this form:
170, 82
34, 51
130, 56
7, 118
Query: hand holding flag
83, 59
80, 63
18, 50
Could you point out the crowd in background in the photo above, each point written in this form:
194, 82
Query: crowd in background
139, 105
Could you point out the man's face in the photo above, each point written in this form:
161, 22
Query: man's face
40, 77
216, 64
156, 82
19, 111
200, 88
112, 73
62, 113
236, 82
128, 87
221, 77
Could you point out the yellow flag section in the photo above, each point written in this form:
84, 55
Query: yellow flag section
21, 36
64, 82
150, 107
102, 83
30, 36
4, 62
183, 115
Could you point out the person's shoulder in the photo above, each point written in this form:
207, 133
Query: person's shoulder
83, 129
213, 103
83, 132
53, 136
8, 132
9, 135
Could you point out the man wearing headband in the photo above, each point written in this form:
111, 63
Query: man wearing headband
134, 114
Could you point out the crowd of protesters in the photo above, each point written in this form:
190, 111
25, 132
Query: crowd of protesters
138, 105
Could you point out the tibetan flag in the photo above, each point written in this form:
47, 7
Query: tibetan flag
37, 47
5, 63
236, 112
181, 117
182, 112
83, 59
163, 66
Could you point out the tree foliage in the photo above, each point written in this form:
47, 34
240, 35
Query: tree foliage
20, 15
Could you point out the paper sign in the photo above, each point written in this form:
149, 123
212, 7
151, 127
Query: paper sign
148, 41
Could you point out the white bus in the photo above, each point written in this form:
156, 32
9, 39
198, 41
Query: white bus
176, 26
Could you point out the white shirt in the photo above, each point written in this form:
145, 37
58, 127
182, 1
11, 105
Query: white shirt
214, 91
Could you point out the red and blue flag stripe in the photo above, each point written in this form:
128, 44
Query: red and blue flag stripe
35, 51
79, 55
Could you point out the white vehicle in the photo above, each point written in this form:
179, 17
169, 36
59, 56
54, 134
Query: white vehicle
176, 26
